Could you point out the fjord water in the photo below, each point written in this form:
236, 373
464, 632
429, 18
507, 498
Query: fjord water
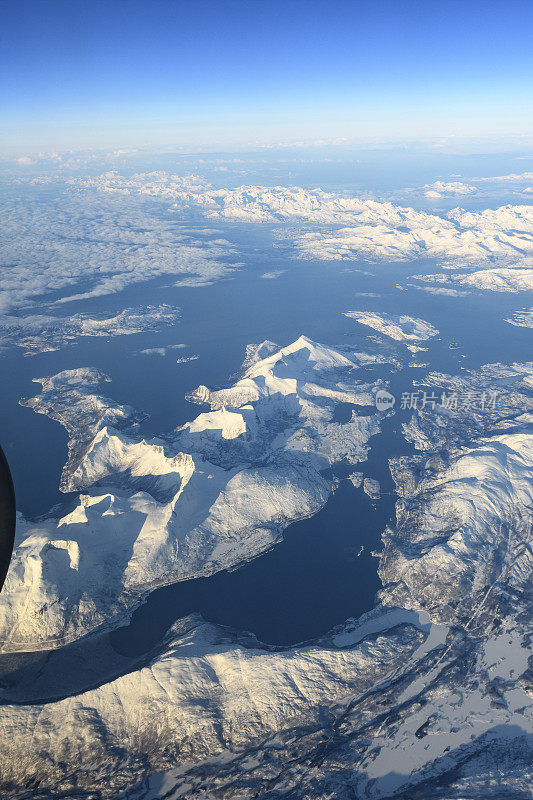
318, 576
217, 323
322, 572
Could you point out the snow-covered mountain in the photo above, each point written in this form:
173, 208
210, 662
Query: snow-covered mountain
427, 695
216, 492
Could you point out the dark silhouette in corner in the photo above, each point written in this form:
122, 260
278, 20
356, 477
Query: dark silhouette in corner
7, 517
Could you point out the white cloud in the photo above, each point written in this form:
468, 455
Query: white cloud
441, 290
74, 248
490, 186
447, 189
276, 273
513, 177
161, 351
102, 239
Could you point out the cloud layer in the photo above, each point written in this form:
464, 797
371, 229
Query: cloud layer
74, 248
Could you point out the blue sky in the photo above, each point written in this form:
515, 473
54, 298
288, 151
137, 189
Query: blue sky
80, 73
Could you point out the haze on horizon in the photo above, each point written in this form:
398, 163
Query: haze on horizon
205, 73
